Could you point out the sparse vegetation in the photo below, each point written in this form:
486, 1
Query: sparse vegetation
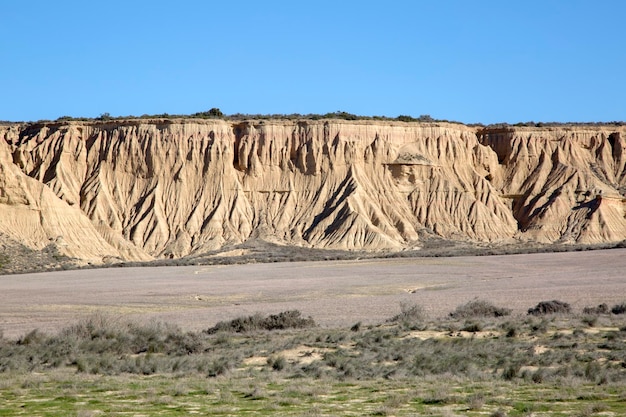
411, 316
619, 308
216, 113
550, 307
100, 363
4, 260
291, 319
479, 308
600, 309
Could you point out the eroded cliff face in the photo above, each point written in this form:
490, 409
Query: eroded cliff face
140, 190
564, 184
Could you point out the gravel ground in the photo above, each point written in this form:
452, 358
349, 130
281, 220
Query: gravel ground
334, 293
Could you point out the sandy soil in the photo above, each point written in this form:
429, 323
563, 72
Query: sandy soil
334, 293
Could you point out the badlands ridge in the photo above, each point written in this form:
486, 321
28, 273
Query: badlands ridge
137, 190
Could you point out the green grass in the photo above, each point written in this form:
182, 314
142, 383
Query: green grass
64, 393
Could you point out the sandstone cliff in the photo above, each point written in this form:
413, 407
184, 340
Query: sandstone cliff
139, 190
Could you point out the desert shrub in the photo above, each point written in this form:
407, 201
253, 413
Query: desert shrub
619, 308
476, 401
219, 366
4, 260
538, 376
356, 327
479, 308
600, 309
33, 337
291, 319
510, 329
590, 320
511, 372
100, 333
550, 307
410, 315
341, 115
213, 113
278, 363
472, 326
538, 327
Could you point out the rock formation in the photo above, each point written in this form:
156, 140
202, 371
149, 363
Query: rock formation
146, 189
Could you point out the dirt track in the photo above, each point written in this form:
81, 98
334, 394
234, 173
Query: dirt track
333, 293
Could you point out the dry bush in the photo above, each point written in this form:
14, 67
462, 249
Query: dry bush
479, 308
550, 307
619, 308
291, 319
600, 309
411, 316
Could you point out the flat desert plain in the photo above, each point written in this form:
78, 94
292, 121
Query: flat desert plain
334, 293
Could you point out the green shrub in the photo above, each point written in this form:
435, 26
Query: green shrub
213, 113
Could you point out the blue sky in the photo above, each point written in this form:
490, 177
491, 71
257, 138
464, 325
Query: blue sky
470, 61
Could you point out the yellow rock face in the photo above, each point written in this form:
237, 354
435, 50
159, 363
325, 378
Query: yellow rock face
140, 190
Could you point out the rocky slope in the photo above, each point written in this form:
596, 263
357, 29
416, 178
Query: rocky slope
140, 190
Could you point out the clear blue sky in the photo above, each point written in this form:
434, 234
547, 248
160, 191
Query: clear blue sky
470, 61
